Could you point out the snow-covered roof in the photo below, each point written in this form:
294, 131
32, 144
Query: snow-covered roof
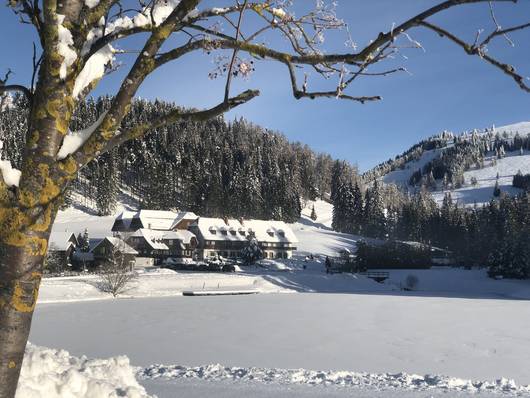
271, 231
60, 240
184, 215
152, 237
162, 220
156, 239
182, 235
121, 246
156, 219
126, 217
235, 230
220, 229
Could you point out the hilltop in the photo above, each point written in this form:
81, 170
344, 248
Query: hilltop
468, 165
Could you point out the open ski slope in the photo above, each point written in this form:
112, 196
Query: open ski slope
486, 177
482, 192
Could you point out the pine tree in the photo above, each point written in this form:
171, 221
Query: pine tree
374, 213
84, 242
313, 213
496, 189
358, 210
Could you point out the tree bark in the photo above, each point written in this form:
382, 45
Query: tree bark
18, 296
27, 213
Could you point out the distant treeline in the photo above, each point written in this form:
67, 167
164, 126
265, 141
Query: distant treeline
496, 235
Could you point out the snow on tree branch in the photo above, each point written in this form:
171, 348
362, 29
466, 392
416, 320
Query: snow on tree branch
10, 175
65, 47
75, 139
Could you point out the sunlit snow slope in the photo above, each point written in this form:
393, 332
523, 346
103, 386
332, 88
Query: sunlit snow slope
486, 177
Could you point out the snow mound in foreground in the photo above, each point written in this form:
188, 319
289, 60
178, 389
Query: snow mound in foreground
50, 373
382, 381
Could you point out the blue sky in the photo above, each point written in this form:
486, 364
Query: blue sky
447, 89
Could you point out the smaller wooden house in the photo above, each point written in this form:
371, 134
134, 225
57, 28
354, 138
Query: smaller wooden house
111, 248
104, 251
63, 244
163, 244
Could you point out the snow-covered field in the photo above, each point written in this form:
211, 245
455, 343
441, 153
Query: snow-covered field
457, 333
474, 339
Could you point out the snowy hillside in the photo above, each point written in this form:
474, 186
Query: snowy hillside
486, 177
317, 236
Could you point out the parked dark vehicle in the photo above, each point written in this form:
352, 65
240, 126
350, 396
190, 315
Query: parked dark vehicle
229, 268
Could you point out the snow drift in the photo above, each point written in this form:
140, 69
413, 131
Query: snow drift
50, 373
381, 381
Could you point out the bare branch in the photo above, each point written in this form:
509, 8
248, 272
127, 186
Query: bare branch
503, 32
36, 65
498, 27
234, 54
471, 50
338, 94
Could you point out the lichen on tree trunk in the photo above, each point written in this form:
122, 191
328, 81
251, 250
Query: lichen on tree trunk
27, 213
